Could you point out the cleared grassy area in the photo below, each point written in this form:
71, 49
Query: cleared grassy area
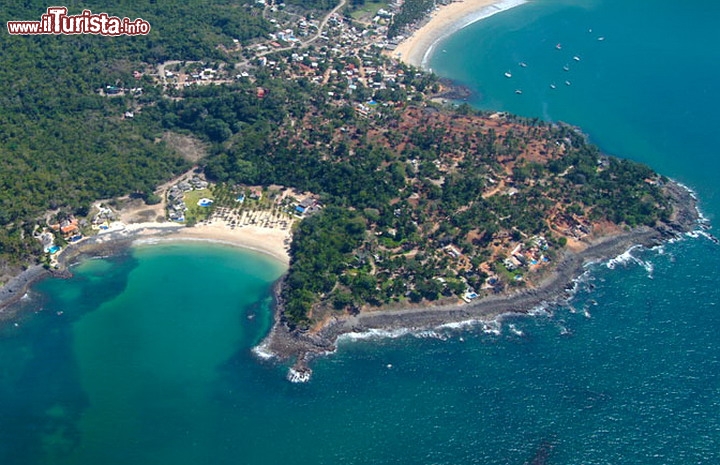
368, 11
196, 213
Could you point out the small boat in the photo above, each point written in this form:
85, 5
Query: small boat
523, 64
518, 91
576, 58
566, 67
567, 83
558, 46
553, 86
508, 74
601, 39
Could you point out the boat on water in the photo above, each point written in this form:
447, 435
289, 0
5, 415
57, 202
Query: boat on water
558, 46
523, 64
553, 86
567, 83
576, 58
566, 67
601, 38
508, 74
518, 91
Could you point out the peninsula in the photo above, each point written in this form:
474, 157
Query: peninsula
309, 141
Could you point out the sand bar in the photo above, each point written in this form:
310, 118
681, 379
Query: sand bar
446, 20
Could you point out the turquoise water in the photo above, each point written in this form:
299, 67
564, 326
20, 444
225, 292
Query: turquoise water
150, 363
648, 91
145, 358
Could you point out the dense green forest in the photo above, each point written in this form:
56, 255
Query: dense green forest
64, 145
410, 12
419, 202
314, 4
384, 174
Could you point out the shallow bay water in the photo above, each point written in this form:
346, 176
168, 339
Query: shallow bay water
145, 358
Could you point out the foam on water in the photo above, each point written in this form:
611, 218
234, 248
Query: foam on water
429, 334
624, 258
148, 241
460, 325
540, 310
262, 352
443, 332
513, 329
374, 334
297, 376
466, 21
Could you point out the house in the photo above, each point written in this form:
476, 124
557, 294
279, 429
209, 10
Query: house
69, 227
104, 215
453, 251
198, 183
174, 194
307, 203
512, 263
47, 241
469, 296
307, 206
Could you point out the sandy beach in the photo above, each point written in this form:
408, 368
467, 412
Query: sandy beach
446, 20
259, 231
274, 242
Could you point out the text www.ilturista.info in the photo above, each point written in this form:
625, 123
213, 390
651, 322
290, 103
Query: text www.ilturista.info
57, 21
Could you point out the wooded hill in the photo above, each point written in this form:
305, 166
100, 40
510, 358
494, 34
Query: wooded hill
62, 144
421, 202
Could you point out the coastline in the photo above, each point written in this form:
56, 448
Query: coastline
416, 49
284, 343
272, 242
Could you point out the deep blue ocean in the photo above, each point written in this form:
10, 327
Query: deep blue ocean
145, 357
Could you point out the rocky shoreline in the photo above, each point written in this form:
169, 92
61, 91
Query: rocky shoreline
16, 287
285, 343
104, 245
453, 91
